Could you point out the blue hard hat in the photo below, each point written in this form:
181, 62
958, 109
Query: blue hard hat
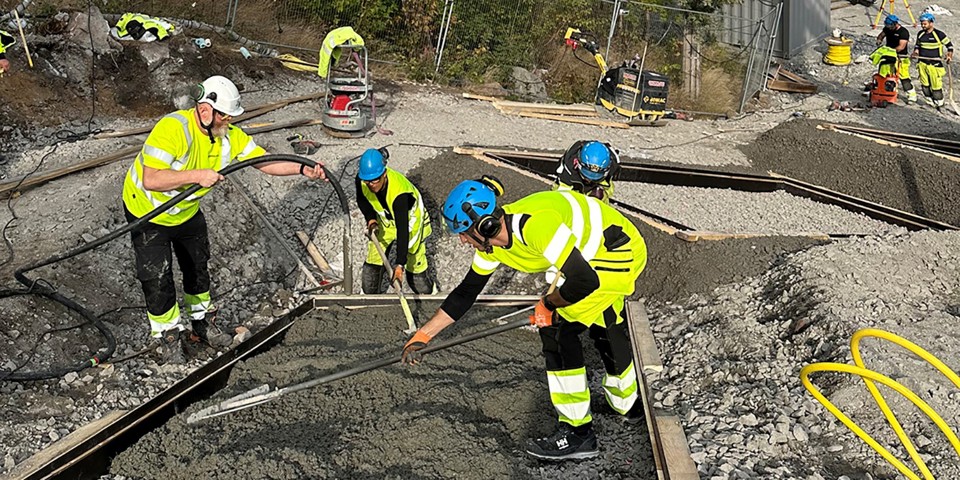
372, 165
466, 203
891, 20
594, 161
926, 16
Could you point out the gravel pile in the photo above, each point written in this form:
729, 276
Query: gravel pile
732, 211
732, 359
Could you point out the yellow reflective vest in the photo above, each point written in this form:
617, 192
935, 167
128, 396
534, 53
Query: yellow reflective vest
337, 36
162, 27
6, 41
177, 142
418, 220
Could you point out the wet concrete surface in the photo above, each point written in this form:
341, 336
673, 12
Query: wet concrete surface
465, 412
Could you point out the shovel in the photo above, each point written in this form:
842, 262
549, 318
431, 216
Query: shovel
263, 394
953, 104
411, 325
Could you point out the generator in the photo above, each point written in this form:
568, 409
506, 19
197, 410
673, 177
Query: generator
883, 90
627, 89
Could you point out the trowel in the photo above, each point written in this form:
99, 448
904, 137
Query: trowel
411, 324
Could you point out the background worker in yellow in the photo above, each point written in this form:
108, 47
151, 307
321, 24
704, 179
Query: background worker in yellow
187, 147
932, 46
896, 38
588, 167
6, 41
394, 211
600, 254
144, 28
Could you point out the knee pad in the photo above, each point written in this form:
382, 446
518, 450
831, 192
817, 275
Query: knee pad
926, 91
421, 283
907, 84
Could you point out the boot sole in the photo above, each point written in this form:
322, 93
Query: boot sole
572, 456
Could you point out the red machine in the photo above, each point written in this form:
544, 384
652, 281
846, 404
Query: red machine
883, 90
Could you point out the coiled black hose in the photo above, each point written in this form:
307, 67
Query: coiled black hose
35, 287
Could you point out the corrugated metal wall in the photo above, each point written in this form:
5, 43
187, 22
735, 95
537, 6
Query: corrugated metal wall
802, 23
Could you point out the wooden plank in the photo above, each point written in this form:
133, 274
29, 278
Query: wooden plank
790, 87
644, 394
676, 451
793, 77
548, 111
484, 98
645, 346
583, 121
481, 150
578, 107
29, 467
314, 252
881, 142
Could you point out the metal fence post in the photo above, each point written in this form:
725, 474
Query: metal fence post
231, 13
613, 26
444, 31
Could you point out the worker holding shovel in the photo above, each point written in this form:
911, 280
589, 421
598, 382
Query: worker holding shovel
394, 213
600, 254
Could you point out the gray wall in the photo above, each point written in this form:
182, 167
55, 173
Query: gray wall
803, 22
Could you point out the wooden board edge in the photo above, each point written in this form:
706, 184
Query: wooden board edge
27, 467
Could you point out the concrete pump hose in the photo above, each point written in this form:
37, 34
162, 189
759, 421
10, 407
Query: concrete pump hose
869, 377
35, 287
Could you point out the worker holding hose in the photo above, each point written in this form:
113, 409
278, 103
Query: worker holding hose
6, 41
588, 167
600, 254
395, 215
933, 48
184, 148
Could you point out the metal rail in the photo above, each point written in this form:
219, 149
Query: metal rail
545, 164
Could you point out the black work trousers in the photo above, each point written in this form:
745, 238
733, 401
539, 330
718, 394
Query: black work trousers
562, 349
154, 245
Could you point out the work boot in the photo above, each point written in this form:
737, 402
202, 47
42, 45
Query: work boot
171, 347
565, 444
209, 333
635, 415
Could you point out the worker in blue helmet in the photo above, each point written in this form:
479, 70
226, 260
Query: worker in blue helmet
588, 167
597, 252
892, 55
396, 219
933, 48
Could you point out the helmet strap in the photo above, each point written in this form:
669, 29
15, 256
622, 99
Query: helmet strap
484, 242
208, 127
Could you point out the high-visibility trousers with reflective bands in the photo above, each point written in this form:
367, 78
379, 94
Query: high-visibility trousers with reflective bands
567, 375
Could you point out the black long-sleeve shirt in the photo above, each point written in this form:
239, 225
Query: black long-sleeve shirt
401, 211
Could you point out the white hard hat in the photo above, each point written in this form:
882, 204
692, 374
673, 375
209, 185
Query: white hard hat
221, 94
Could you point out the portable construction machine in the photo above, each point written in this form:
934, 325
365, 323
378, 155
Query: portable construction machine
347, 87
627, 89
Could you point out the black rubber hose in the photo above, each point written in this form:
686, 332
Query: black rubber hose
99, 357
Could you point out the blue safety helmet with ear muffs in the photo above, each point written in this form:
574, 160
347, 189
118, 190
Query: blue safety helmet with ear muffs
372, 165
926, 17
594, 161
473, 202
891, 20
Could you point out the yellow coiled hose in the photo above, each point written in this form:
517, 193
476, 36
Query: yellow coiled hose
869, 377
838, 51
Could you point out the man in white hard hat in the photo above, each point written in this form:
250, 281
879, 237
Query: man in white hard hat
187, 147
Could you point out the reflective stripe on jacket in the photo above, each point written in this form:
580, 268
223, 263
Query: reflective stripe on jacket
178, 143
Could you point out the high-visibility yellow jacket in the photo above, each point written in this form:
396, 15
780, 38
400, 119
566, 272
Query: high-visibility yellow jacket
177, 142
337, 36
163, 28
417, 220
544, 229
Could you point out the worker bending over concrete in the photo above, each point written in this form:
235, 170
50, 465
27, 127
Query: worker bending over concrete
600, 254
933, 48
187, 147
588, 167
394, 211
894, 56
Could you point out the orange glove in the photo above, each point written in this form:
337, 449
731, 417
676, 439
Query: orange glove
398, 275
542, 315
411, 350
